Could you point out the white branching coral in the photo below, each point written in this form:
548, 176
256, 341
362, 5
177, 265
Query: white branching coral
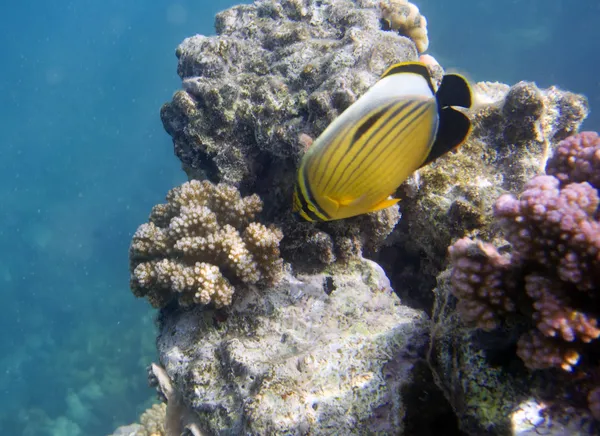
152, 421
405, 18
199, 242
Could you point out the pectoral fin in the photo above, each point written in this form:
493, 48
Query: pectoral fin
336, 203
331, 203
384, 204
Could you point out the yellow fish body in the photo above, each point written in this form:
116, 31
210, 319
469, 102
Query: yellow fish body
400, 124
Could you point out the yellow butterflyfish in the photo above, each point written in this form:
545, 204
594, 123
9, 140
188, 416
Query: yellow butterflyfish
400, 124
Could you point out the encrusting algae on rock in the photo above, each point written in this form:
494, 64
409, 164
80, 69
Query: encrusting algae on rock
199, 242
316, 354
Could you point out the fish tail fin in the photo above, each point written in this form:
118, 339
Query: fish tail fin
454, 91
454, 126
452, 131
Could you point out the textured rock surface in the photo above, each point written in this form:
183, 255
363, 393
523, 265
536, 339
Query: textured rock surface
276, 74
292, 61
276, 71
315, 355
299, 64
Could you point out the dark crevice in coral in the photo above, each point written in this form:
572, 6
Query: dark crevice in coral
198, 164
428, 412
405, 267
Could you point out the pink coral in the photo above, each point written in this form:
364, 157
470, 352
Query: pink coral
556, 228
577, 159
478, 282
551, 280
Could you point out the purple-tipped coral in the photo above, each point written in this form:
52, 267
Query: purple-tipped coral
478, 282
577, 159
552, 277
555, 227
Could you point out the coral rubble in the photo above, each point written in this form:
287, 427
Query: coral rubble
202, 235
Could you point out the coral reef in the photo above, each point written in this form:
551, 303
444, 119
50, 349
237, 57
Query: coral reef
489, 391
301, 64
101, 388
201, 236
317, 62
152, 423
405, 18
313, 355
547, 285
333, 350
577, 159
514, 130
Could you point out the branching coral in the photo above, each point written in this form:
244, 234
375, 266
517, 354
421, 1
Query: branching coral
201, 240
405, 18
152, 421
478, 276
577, 159
552, 276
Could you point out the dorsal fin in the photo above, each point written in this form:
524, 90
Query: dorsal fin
410, 67
452, 131
454, 91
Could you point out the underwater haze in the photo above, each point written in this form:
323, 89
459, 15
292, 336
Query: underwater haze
84, 157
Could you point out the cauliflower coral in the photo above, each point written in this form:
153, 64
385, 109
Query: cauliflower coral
200, 243
405, 18
551, 278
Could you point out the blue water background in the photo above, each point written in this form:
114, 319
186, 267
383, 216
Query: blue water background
83, 157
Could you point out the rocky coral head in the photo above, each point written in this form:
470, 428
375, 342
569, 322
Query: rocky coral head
277, 73
201, 244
